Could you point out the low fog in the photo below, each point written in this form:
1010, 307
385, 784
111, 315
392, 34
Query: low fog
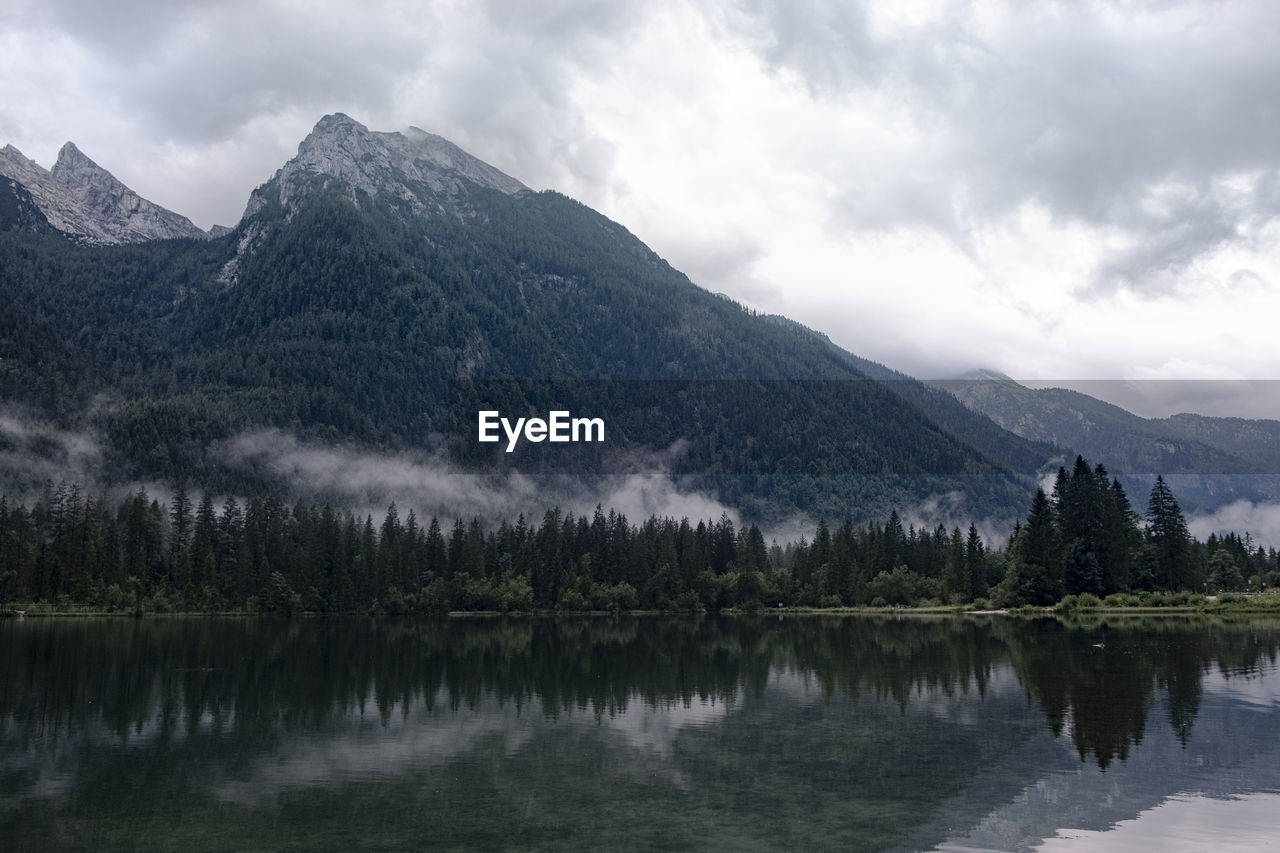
368, 482
34, 452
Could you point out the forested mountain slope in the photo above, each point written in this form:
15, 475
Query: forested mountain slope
374, 269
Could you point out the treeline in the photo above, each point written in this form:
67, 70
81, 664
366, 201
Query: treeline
141, 554
1086, 539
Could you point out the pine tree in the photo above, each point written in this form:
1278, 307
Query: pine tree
1168, 539
203, 544
179, 539
1034, 572
975, 561
956, 580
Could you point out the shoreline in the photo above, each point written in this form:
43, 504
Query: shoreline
1270, 606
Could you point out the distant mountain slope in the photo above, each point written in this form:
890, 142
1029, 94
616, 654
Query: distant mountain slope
1212, 460
376, 268
976, 429
1255, 441
1095, 428
81, 199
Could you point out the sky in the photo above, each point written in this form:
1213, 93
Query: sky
1075, 191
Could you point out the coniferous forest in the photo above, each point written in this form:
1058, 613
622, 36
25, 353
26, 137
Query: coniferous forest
190, 554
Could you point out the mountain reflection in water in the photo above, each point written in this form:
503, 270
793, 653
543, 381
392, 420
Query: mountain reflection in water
744, 733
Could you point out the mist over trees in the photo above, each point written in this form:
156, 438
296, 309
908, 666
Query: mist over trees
138, 554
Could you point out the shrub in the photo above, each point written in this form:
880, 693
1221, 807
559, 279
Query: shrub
434, 597
572, 601
622, 596
515, 593
688, 602
901, 586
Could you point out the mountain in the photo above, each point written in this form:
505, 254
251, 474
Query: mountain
417, 167
81, 199
1255, 441
1213, 460
1022, 453
377, 271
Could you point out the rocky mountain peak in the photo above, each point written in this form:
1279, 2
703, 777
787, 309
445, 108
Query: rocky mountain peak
418, 167
72, 158
84, 200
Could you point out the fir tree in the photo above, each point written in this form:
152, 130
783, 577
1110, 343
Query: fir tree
1168, 540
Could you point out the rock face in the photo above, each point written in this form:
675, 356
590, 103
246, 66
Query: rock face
18, 211
80, 198
418, 167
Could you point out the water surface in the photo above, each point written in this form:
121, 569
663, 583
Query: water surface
648, 733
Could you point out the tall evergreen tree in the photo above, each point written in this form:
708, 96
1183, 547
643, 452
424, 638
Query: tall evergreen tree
1034, 574
1168, 539
179, 539
975, 559
956, 580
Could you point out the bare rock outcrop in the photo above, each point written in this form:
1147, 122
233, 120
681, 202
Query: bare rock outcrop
84, 200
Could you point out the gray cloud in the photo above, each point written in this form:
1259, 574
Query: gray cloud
828, 42
1081, 108
196, 71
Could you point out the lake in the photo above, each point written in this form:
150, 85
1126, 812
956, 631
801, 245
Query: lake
645, 733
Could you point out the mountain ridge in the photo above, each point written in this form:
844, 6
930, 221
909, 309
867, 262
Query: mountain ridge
85, 201
1214, 460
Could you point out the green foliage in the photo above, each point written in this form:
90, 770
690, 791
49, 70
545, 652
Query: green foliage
901, 586
1084, 601
278, 596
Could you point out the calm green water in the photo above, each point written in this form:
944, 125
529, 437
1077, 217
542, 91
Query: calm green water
638, 734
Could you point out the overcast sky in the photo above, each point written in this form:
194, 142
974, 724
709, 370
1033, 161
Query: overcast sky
1084, 190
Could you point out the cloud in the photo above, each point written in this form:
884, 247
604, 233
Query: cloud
33, 451
367, 482
1110, 115
948, 510
1260, 520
